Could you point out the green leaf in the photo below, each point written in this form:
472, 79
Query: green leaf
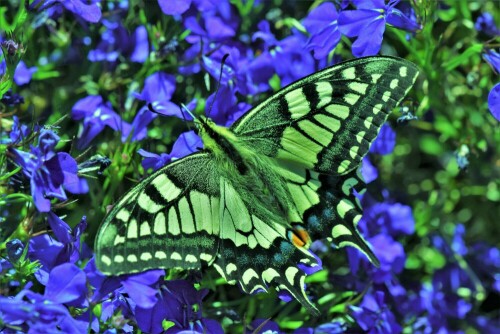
463, 58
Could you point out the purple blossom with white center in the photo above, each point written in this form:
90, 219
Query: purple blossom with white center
368, 21
49, 173
485, 23
264, 326
321, 23
157, 91
82, 9
187, 143
96, 114
210, 24
286, 56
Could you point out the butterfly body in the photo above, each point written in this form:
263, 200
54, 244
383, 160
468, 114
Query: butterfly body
249, 202
256, 177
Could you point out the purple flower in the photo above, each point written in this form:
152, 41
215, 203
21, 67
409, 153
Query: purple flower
88, 12
49, 173
116, 41
494, 101
391, 255
367, 23
67, 284
187, 143
19, 131
225, 108
11, 99
374, 315
180, 303
96, 114
174, 7
158, 90
369, 172
237, 72
493, 58
385, 141
392, 218
485, 23
321, 23
285, 56
264, 326
138, 128
34, 313
61, 230
216, 23
23, 74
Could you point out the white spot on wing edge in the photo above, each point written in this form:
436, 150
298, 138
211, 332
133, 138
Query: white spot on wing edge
340, 230
230, 268
248, 275
146, 256
106, 260
160, 255
269, 274
403, 71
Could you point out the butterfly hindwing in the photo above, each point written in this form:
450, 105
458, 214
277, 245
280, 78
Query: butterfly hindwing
169, 220
258, 254
327, 121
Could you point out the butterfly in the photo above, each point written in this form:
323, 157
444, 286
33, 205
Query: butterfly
250, 202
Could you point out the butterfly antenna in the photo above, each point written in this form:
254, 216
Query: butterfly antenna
218, 82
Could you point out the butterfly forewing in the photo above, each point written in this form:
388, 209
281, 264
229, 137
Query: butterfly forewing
169, 220
327, 121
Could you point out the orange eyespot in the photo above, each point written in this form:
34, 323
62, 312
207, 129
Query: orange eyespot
299, 237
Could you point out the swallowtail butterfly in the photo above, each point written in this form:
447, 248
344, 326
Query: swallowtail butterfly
249, 202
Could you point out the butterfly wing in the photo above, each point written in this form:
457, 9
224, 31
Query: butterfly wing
186, 213
327, 121
258, 253
169, 220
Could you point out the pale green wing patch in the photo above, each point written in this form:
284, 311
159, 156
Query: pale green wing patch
327, 121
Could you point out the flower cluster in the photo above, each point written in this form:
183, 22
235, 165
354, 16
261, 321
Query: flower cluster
94, 76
